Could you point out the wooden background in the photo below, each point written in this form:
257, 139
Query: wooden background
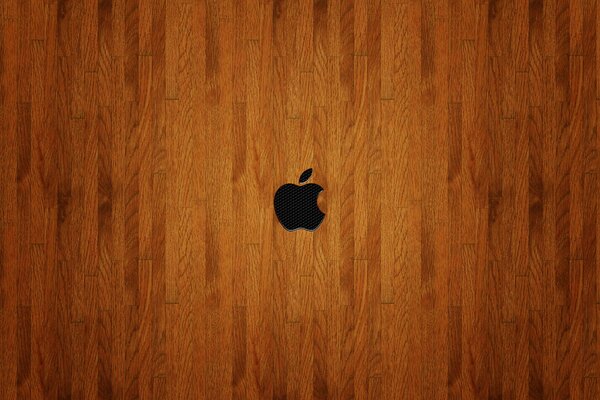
141, 144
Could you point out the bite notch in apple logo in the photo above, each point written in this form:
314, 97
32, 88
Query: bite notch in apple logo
296, 206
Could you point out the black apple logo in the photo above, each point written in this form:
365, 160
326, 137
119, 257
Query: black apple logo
296, 206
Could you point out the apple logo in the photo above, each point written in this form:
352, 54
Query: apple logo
296, 206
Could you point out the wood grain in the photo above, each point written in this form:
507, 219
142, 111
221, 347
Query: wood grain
141, 143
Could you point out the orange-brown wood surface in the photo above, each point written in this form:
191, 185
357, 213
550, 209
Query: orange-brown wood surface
142, 142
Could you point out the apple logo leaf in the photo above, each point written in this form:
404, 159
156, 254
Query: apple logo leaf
305, 175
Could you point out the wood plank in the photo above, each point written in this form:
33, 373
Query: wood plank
218, 275
10, 224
